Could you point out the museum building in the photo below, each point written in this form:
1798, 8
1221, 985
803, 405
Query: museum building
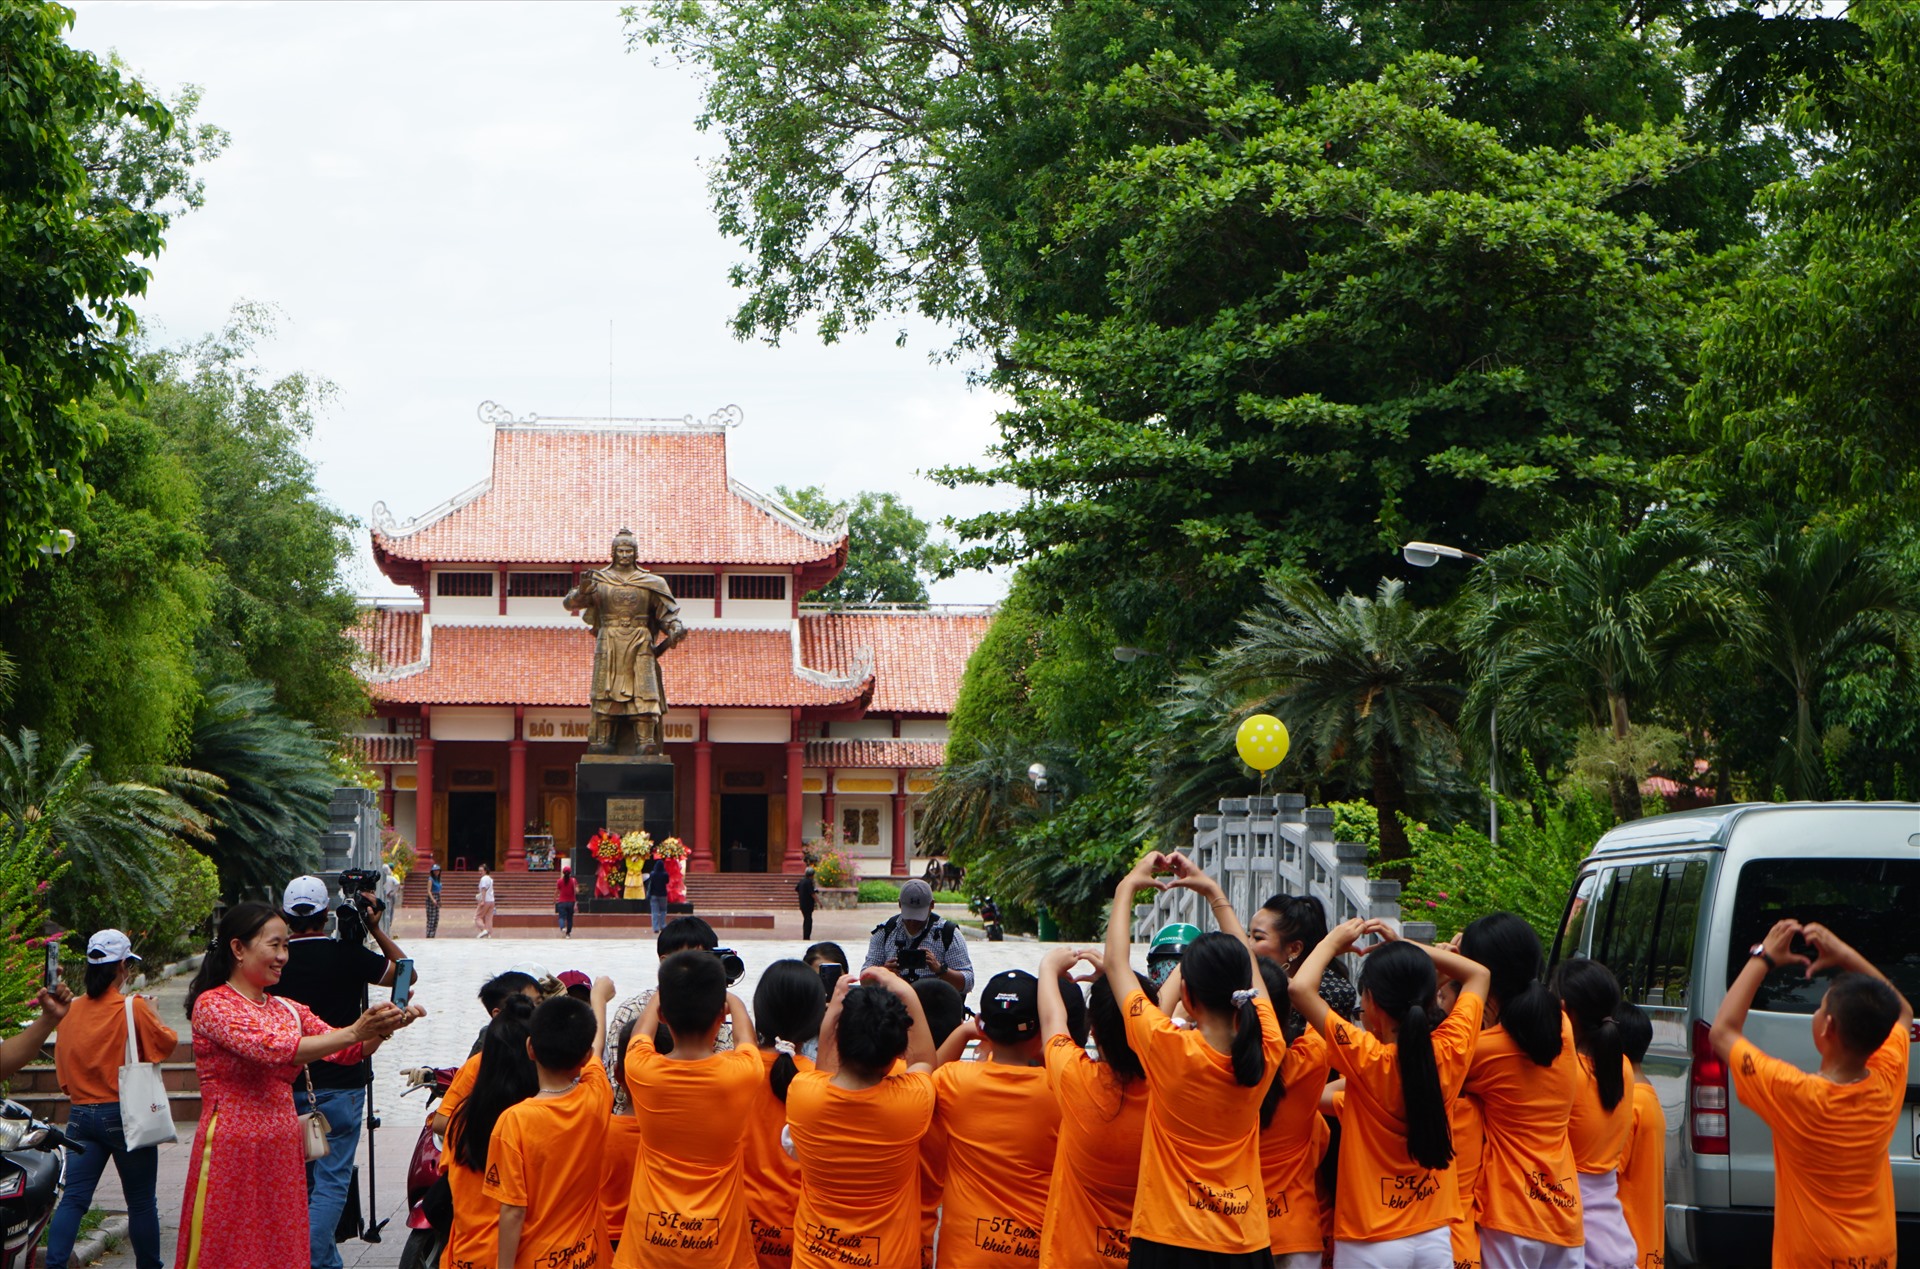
783, 717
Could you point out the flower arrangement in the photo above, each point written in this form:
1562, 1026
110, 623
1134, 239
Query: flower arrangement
636, 846
834, 868
396, 854
606, 848
672, 848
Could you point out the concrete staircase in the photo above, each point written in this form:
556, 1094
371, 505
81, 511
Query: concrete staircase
533, 891
37, 1088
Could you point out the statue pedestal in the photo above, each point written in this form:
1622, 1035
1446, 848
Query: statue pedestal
621, 793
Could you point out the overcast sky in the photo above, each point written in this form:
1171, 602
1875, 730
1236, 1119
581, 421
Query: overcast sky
449, 202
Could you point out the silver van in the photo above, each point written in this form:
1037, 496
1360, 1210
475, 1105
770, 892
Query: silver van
1672, 904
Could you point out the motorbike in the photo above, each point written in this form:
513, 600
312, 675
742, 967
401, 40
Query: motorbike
32, 1173
989, 918
424, 1241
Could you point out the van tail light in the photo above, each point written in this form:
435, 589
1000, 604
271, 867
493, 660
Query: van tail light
1707, 1094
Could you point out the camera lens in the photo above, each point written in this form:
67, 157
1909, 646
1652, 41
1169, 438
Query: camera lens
731, 964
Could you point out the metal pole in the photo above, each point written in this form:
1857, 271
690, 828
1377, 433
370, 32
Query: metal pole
1493, 728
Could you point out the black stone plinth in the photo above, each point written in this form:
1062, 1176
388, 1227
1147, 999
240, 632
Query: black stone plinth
605, 789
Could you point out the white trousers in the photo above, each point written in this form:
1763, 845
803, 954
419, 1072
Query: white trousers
1430, 1250
1609, 1242
1501, 1250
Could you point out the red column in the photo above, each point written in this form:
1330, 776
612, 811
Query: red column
900, 826
701, 859
386, 797
516, 798
423, 797
829, 804
794, 861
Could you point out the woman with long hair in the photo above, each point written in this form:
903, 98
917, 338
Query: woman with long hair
788, 1006
1293, 1139
1200, 1157
246, 1197
1103, 1117
506, 1078
1526, 1077
1396, 1204
1285, 930
1602, 1119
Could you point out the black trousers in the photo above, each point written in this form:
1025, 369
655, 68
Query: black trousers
806, 921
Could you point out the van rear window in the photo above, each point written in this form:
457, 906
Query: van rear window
1871, 903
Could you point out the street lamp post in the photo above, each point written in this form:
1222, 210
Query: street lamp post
1426, 555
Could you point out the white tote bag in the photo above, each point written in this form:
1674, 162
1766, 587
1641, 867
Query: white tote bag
146, 1117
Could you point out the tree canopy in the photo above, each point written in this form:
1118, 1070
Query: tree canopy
891, 553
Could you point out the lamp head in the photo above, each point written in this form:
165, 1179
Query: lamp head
1427, 554
1038, 774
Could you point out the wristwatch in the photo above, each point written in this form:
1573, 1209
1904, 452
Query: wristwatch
1759, 952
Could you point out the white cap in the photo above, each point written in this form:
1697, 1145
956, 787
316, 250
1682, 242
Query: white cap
109, 947
530, 969
305, 896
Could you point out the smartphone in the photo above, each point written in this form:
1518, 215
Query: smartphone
913, 959
50, 976
403, 981
830, 975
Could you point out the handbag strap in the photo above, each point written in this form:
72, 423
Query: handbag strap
306, 1069
133, 1047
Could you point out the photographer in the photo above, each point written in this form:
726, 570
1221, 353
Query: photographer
330, 976
917, 944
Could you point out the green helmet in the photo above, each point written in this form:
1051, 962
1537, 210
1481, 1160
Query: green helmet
1172, 940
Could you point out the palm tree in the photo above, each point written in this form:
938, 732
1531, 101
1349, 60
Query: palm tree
1595, 628
1368, 685
1813, 594
276, 778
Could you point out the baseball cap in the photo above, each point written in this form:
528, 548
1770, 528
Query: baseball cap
574, 978
109, 947
916, 900
1010, 1006
305, 896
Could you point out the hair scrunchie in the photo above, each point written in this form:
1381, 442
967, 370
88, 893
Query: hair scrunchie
1241, 999
784, 1046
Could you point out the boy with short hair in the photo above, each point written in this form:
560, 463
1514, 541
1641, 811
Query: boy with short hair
1001, 1122
1833, 1184
1643, 1169
688, 1205
557, 1133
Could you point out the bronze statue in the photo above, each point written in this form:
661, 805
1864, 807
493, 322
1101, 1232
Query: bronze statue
628, 608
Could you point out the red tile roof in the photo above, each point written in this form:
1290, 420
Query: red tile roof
521, 665
389, 637
918, 657
381, 750
558, 493
842, 754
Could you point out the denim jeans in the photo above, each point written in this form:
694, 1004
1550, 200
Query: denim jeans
97, 1126
328, 1178
657, 904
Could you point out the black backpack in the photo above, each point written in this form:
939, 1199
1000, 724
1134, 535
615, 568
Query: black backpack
946, 928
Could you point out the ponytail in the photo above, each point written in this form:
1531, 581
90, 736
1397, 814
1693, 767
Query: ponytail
1529, 1012
781, 1074
1275, 978
1592, 997
241, 922
1402, 981
1218, 974
788, 1005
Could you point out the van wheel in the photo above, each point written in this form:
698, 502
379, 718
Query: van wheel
422, 1250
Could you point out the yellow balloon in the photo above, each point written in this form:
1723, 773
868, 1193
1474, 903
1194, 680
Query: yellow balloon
1262, 741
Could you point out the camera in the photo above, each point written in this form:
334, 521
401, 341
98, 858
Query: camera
730, 964
360, 908
913, 960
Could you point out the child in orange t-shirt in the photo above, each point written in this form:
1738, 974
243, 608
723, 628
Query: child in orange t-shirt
1293, 1138
556, 1135
1602, 1112
856, 1128
1643, 1169
503, 1076
1396, 1204
788, 1004
945, 1009
1001, 1123
1201, 1198
1525, 1075
1832, 1182
689, 1201
1463, 1119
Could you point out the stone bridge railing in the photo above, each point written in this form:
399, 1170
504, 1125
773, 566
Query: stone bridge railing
1262, 846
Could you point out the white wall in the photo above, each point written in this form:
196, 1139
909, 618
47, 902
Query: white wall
747, 726
861, 729
924, 729
472, 722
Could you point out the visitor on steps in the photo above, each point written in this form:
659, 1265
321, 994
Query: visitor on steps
433, 901
804, 888
564, 895
483, 904
657, 880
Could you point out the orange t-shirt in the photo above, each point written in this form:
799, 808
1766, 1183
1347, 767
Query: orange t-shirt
474, 1241
858, 1208
1200, 1183
933, 1184
545, 1157
1643, 1178
92, 1044
1096, 1165
1527, 1183
1002, 1125
1463, 1117
1832, 1183
1292, 1146
688, 1200
1599, 1136
457, 1091
1383, 1192
772, 1175
617, 1160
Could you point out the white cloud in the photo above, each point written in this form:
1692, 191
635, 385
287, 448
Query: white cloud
448, 203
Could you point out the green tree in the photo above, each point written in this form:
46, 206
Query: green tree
891, 554
1593, 624
276, 780
69, 264
1367, 687
276, 549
